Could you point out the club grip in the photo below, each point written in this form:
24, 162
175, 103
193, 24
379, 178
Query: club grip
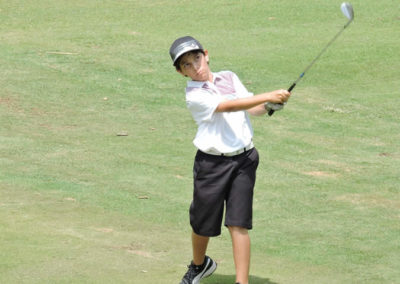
271, 111
291, 87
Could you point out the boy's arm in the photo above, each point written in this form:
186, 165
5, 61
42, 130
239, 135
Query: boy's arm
257, 110
255, 104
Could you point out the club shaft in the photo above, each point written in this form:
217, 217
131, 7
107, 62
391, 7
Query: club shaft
322, 52
271, 112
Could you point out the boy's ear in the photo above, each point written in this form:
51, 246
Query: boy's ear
206, 55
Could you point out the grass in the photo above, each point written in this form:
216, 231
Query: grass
80, 204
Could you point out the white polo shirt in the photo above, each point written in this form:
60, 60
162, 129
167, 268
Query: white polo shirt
219, 132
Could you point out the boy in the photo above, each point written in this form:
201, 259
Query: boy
226, 161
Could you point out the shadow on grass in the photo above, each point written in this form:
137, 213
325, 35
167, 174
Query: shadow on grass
230, 279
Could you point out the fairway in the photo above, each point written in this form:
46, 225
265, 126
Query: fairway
96, 150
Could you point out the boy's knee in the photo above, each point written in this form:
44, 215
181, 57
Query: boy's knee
237, 229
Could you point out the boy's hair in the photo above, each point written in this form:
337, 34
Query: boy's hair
181, 46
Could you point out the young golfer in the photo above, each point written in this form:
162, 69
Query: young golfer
226, 161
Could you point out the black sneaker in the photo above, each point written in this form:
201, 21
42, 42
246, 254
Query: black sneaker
197, 272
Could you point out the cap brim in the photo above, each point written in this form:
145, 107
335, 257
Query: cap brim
185, 51
183, 48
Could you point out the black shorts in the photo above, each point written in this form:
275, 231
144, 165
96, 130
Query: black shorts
220, 180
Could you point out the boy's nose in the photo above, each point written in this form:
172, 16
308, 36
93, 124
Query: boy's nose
196, 65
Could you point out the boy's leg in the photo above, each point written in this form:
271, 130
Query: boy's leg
239, 212
199, 246
241, 253
202, 266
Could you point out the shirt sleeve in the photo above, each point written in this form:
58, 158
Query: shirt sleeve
202, 104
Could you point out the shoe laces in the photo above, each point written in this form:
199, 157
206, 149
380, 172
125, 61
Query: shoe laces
192, 271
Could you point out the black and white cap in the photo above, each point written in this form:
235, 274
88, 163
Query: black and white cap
183, 45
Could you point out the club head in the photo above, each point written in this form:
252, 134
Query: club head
347, 10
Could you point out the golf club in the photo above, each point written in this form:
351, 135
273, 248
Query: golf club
347, 10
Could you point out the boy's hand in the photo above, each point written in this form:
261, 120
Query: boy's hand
279, 96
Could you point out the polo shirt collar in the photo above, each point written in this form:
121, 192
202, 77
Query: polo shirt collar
201, 84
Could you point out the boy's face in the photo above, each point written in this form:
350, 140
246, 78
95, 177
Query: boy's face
195, 66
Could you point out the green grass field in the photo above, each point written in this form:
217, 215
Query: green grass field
81, 204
